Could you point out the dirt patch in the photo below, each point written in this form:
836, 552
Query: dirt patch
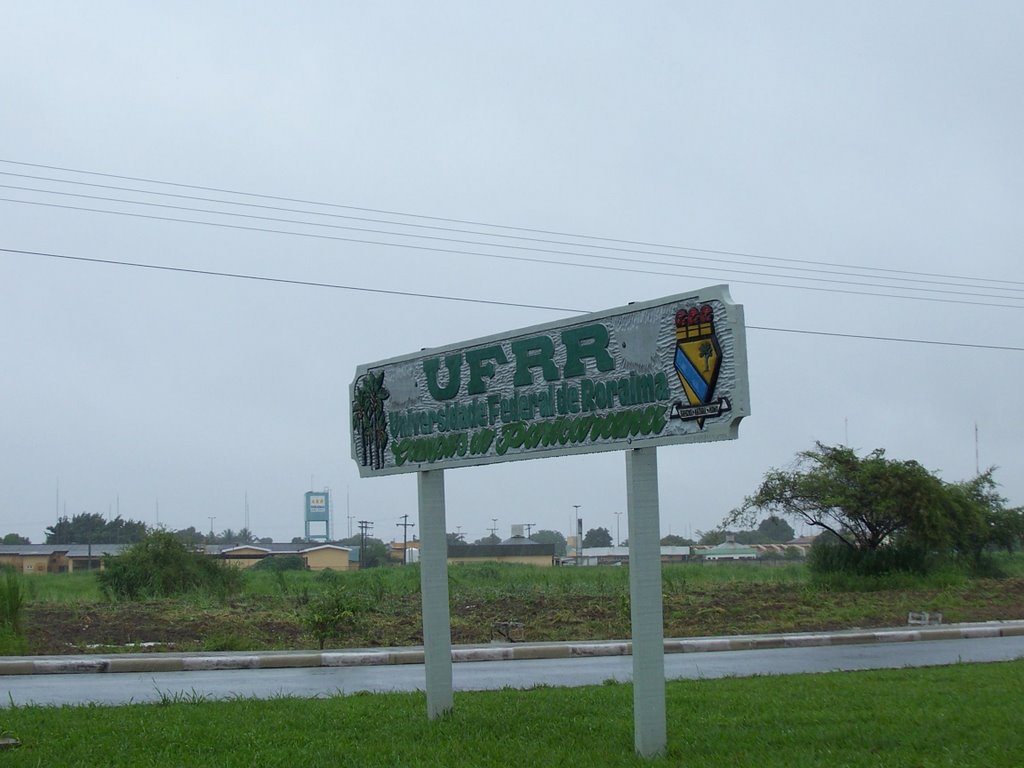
717, 609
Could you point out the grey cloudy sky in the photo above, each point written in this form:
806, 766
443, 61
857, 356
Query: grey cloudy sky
886, 136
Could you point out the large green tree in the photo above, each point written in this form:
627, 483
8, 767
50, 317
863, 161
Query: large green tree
545, 536
773, 530
597, 537
672, 540
863, 501
89, 527
870, 502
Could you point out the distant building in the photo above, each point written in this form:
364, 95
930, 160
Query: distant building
620, 555
56, 558
514, 550
404, 551
729, 550
317, 557
69, 558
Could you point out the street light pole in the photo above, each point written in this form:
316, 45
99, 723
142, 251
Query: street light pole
618, 535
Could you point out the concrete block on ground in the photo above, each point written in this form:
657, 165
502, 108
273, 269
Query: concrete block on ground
290, 660
206, 663
69, 666
153, 664
541, 652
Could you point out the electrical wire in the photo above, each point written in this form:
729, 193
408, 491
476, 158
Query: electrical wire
436, 238
508, 257
952, 281
282, 280
470, 222
441, 297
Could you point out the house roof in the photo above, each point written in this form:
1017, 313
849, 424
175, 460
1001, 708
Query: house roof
729, 549
70, 550
500, 550
275, 549
98, 550
624, 551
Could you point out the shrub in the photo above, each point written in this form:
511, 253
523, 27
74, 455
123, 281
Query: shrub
830, 555
159, 566
12, 601
334, 612
277, 563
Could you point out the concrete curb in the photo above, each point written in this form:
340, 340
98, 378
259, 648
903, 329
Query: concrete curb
168, 662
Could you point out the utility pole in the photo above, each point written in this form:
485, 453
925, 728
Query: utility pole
212, 518
364, 527
348, 511
579, 535
494, 529
405, 525
618, 536
458, 532
529, 527
977, 464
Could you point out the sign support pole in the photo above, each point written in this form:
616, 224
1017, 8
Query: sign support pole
649, 726
437, 634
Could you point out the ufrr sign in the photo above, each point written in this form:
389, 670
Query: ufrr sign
660, 372
631, 379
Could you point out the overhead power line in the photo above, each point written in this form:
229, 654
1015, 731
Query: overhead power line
439, 297
509, 257
509, 228
282, 280
952, 280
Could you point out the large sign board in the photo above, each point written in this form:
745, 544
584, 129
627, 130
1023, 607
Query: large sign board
317, 506
672, 370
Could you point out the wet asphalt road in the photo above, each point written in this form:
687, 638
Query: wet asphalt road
309, 682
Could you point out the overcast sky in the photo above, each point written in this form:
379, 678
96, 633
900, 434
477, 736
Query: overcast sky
865, 159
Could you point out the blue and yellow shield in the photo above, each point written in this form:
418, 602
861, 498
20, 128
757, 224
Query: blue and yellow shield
698, 357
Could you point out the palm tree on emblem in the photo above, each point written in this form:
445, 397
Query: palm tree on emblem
368, 418
705, 352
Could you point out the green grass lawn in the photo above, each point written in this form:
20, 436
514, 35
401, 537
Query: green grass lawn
962, 715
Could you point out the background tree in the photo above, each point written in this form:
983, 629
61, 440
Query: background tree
245, 536
863, 502
190, 537
373, 555
887, 514
676, 541
774, 530
597, 537
981, 518
489, 539
545, 536
710, 538
14, 538
91, 528
455, 538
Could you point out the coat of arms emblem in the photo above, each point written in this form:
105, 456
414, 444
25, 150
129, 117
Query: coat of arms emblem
697, 362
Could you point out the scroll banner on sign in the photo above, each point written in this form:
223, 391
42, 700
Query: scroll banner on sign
671, 370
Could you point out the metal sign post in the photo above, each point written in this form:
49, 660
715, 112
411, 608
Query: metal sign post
437, 633
649, 735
